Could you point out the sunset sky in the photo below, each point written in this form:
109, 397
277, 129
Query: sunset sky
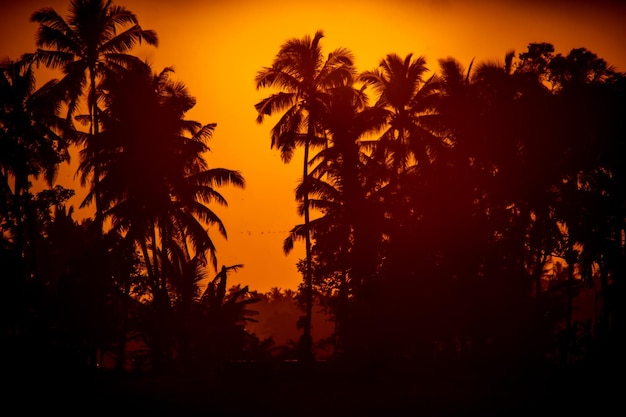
216, 48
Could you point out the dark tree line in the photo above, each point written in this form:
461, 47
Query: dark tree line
458, 212
447, 213
77, 293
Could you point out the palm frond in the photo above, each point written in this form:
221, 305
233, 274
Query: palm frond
273, 104
54, 32
127, 40
217, 177
296, 233
204, 133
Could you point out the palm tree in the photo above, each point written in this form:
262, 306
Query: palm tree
225, 313
32, 144
344, 189
92, 42
408, 146
591, 101
303, 76
156, 183
525, 148
508, 145
410, 103
157, 170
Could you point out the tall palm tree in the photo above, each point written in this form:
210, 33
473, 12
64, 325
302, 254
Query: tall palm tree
225, 312
410, 102
303, 76
525, 148
408, 146
32, 146
343, 187
591, 103
157, 163
507, 145
93, 41
157, 185
32, 141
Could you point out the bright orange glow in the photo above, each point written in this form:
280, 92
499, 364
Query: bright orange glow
216, 48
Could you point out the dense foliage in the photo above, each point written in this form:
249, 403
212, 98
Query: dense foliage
460, 214
450, 213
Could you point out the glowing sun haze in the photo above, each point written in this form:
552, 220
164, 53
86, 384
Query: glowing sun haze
217, 47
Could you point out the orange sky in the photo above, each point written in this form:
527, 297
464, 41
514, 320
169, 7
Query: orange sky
216, 48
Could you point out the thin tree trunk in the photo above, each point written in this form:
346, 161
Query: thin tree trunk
305, 346
155, 260
121, 352
95, 130
604, 292
146, 257
20, 241
341, 312
570, 333
164, 304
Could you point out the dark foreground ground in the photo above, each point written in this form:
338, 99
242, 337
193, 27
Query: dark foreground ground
324, 389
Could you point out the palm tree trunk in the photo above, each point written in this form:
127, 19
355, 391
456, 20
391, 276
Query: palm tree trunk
95, 130
24, 228
604, 293
121, 350
340, 314
155, 259
537, 273
146, 257
20, 241
570, 258
164, 304
305, 345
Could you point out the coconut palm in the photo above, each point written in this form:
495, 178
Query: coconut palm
32, 146
408, 146
343, 185
508, 142
32, 142
342, 179
525, 150
157, 185
591, 97
170, 180
93, 41
410, 102
225, 313
302, 75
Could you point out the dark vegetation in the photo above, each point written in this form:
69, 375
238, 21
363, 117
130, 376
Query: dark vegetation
464, 227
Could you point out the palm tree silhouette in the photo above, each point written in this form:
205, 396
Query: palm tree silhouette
591, 97
93, 41
304, 76
170, 180
226, 312
32, 144
408, 145
410, 103
157, 185
344, 187
526, 158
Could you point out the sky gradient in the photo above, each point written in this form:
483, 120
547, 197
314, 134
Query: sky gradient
216, 48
